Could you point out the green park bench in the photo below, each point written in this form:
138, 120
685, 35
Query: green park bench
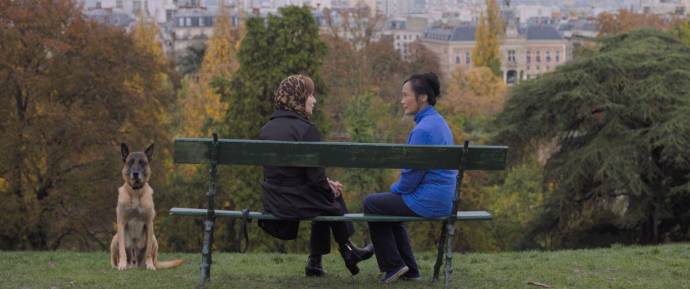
216, 152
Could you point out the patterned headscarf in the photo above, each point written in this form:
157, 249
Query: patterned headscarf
292, 93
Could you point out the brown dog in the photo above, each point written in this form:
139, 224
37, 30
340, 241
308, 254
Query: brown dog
134, 244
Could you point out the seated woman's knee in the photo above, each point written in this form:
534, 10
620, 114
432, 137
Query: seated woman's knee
368, 204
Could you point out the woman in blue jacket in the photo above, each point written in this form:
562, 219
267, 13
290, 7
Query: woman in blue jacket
425, 193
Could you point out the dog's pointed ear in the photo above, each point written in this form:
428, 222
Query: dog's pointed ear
125, 151
149, 152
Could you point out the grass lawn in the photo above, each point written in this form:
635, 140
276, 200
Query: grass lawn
666, 266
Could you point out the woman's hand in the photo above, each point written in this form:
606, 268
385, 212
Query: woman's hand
336, 187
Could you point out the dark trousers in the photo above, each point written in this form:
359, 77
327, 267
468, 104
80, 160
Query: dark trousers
391, 244
320, 241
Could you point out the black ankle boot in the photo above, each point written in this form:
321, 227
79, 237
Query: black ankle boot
353, 255
314, 268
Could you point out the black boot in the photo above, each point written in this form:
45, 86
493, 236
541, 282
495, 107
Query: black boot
314, 268
353, 255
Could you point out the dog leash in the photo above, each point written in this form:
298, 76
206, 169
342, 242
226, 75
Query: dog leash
243, 229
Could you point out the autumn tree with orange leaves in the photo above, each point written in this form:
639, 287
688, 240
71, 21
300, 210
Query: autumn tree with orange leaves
72, 90
624, 20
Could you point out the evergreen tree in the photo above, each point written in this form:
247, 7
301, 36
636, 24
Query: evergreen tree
360, 122
618, 124
273, 48
190, 61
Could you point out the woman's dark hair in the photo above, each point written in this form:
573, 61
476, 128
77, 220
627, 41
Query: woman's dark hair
425, 83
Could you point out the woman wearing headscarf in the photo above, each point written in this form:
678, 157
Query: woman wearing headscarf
425, 193
296, 193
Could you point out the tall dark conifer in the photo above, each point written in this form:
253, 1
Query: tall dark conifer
618, 122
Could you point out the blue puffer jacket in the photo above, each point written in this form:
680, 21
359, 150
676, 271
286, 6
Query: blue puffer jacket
429, 193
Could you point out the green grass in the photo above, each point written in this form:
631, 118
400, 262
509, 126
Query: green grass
666, 266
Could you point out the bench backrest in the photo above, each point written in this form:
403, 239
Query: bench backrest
338, 154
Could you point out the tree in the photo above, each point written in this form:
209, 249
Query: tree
191, 60
624, 20
73, 89
422, 59
201, 106
486, 51
516, 204
360, 122
221, 55
356, 25
273, 48
475, 93
470, 101
619, 121
375, 68
146, 37
493, 18
682, 31
339, 71
356, 63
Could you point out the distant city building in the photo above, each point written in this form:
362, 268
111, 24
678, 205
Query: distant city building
526, 53
527, 50
525, 13
678, 7
187, 27
401, 8
540, 35
405, 31
112, 17
585, 28
345, 23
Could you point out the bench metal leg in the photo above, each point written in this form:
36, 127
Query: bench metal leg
439, 253
206, 251
450, 232
207, 248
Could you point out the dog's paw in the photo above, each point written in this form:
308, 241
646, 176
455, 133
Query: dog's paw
150, 265
122, 266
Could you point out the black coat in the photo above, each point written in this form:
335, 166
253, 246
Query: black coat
294, 193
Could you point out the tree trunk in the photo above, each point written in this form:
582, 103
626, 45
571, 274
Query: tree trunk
655, 219
16, 174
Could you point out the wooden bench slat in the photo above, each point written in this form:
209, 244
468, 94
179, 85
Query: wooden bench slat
461, 216
339, 154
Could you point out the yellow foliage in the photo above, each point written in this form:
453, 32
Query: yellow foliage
494, 19
4, 185
201, 105
146, 37
221, 54
486, 51
192, 104
477, 92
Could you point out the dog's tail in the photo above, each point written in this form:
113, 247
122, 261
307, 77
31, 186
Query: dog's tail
169, 264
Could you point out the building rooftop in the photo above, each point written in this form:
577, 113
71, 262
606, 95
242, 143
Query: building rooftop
467, 33
542, 32
458, 33
579, 24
